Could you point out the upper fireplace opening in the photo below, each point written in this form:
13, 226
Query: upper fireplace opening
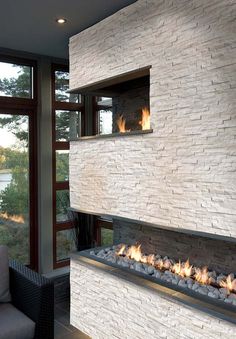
105, 87
122, 102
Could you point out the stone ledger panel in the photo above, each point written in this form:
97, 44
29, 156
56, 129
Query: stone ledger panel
184, 174
105, 306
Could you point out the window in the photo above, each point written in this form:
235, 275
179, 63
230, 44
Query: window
104, 115
16, 80
18, 188
104, 232
67, 117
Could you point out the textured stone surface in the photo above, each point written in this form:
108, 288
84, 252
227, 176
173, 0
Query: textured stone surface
184, 174
106, 307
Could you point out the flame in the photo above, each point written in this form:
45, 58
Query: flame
202, 276
145, 122
182, 269
121, 250
15, 218
159, 264
121, 124
134, 252
151, 259
229, 283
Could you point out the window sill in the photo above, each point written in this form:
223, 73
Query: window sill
112, 135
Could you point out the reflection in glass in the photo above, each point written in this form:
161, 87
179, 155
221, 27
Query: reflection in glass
106, 236
16, 80
62, 165
67, 125
65, 244
62, 204
105, 121
14, 185
61, 86
105, 115
104, 101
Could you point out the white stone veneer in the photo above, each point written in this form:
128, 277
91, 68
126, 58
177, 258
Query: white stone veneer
105, 306
184, 174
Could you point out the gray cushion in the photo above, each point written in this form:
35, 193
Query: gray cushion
4, 275
15, 324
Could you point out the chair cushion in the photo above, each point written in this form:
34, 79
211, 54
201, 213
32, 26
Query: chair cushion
4, 275
14, 324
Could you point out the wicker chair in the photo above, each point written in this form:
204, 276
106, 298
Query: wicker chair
33, 295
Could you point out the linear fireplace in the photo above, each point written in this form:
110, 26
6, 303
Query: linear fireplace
189, 268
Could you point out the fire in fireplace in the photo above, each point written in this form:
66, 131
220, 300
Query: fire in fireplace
144, 122
210, 283
122, 102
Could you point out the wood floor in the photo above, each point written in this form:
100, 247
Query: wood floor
63, 329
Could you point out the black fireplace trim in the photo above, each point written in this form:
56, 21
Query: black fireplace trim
168, 228
214, 307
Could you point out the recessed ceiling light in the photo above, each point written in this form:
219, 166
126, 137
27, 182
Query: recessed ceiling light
61, 21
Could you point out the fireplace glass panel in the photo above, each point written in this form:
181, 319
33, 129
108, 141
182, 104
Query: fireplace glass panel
126, 107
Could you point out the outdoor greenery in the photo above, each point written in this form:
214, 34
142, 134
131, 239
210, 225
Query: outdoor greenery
14, 198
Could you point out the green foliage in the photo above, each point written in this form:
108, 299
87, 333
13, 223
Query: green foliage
106, 236
62, 202
14, 198
19, 86
16, 237
61, 85
62, 166
17, 125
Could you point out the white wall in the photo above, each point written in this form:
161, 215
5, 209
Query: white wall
184, 174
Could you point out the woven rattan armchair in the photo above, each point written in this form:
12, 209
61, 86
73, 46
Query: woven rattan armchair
33, 295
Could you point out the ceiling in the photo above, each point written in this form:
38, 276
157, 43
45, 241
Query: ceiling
30, 25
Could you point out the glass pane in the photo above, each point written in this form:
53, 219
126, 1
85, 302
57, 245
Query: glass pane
106, 236
104, 101
62, 165
15, 80
61, 86
65, 244
14, 185
62, 204
67, 125
105, 121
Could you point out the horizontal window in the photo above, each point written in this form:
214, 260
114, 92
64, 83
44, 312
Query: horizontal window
62, 165
16, 80
104, 101
67, 125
